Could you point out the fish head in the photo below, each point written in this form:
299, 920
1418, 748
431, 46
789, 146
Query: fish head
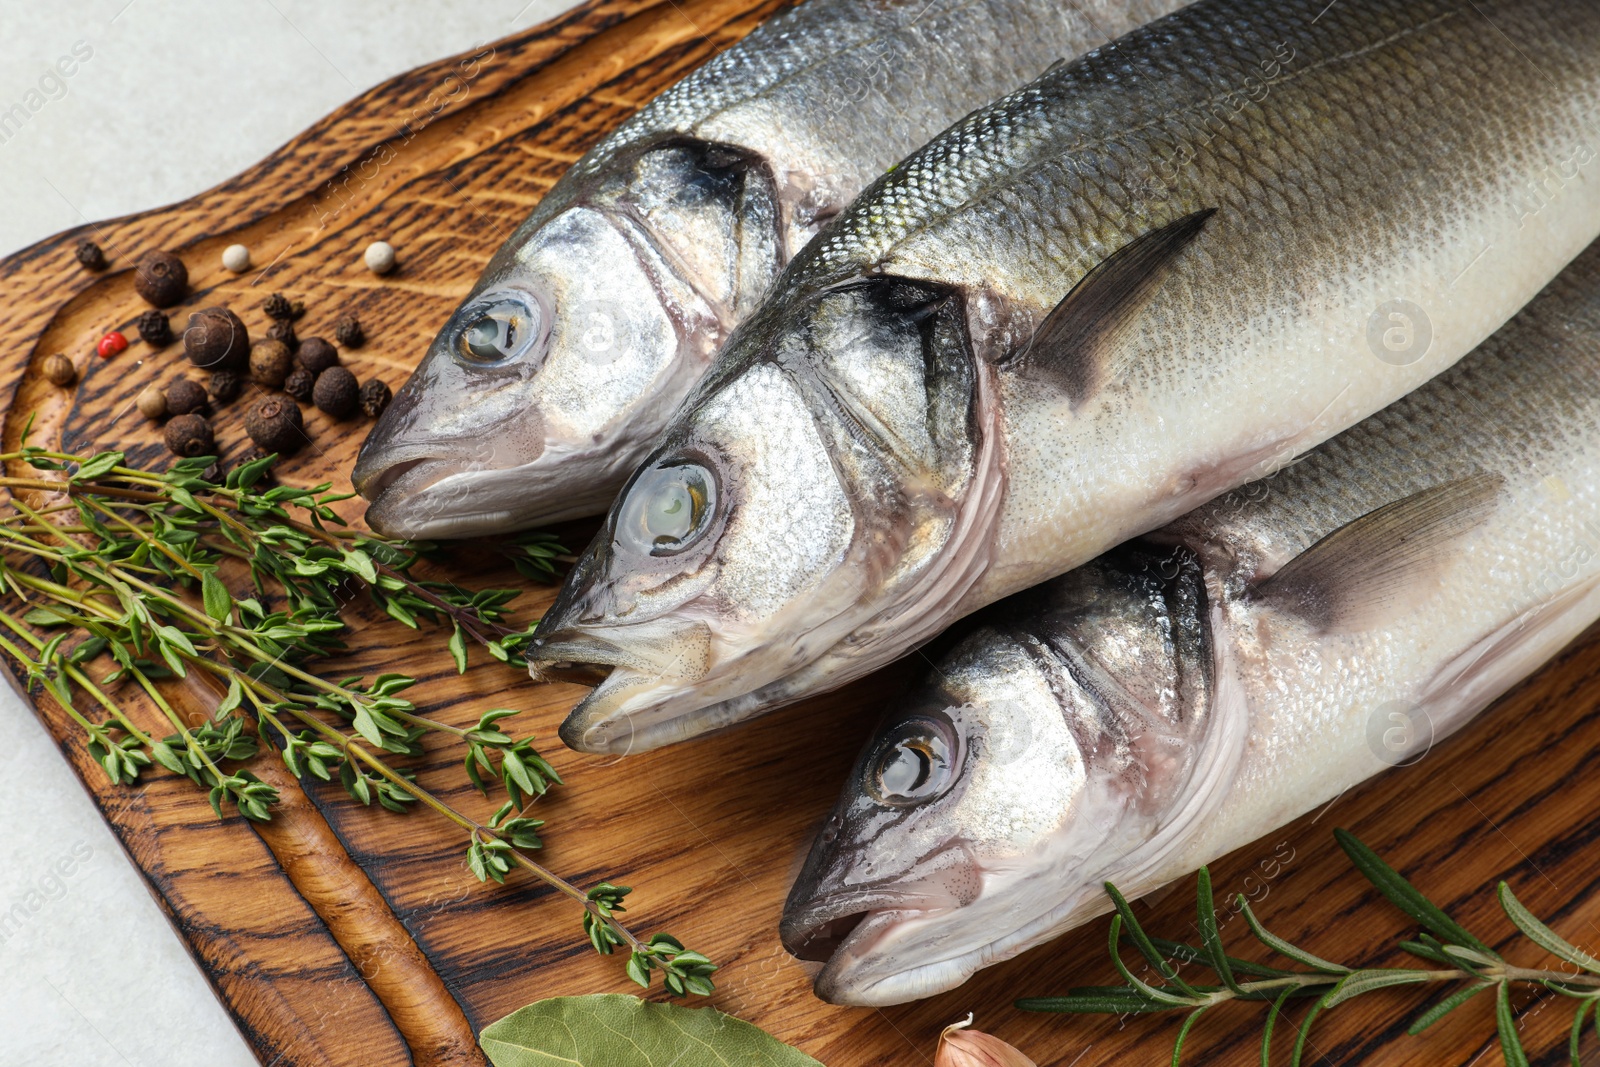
989, 808
954, 832
541, 392
671, 606
738, 564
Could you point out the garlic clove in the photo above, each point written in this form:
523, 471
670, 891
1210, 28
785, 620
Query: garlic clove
960, 1046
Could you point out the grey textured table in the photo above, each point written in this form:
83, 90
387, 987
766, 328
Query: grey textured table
109, 107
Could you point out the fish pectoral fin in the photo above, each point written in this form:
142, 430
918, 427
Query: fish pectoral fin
1074, 345
1390, 559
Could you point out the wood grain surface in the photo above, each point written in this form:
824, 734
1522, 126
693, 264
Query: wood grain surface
343, 935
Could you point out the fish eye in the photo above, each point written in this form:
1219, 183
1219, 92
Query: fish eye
497, 331
914, 762
667, 509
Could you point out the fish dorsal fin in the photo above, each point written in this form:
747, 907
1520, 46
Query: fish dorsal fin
1389, 560
1074, 345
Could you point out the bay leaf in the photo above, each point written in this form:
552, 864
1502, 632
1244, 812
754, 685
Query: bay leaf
616, 1030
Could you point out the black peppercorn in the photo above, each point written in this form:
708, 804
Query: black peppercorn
299, 384
216, 340
316, 355
189, 435
184, 397
225, 386
270, 362
90, 256
336, 392
155, 329
283, 332
375, 397
348, 332
275, 425
161, 278
277, 307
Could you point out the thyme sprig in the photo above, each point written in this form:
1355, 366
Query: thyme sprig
132, 568
1465, 960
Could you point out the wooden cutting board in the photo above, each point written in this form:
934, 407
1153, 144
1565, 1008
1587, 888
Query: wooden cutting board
341, 935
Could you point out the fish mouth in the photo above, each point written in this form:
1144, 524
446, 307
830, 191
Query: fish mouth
427, 497
864, 935
821, 930
818, 942
645, 688
424, 497
856, 949
373, 485
583, 659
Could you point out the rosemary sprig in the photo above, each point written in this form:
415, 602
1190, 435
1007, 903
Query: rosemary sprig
132, 566
1465, 960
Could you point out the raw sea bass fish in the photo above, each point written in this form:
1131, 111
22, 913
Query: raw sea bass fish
549, 384
1152, 275
1186, 693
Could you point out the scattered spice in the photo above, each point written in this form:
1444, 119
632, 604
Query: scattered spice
90, 256
277, 307
300, 384
283, 331
253, 453
275, 425
185, 397
190, 435
379, 257
347, 331
216, 339
112, 344
155, 329
316, 355
161, 278
151, 402
270, 362
336, 392
59, 369
225, 386
375, 397
236, 258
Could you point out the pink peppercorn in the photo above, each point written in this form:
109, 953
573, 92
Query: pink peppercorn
111, 344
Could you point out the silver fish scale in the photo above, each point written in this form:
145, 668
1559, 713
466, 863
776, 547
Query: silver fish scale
1530, 401
1049, 178
799, 106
